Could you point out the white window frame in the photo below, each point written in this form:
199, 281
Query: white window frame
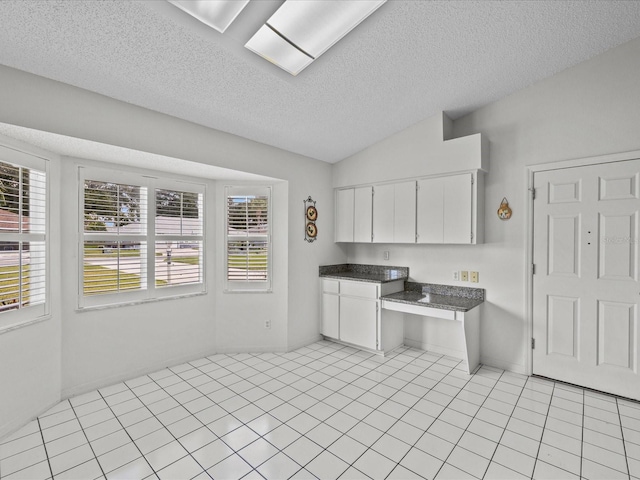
149, 293
237, 286
22, 316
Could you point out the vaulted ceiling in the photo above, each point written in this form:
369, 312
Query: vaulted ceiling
406, 62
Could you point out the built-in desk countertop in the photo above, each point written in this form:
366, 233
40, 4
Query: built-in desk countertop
444, 301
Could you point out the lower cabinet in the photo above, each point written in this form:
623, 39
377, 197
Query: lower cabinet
359, 321
330, 309
351, 313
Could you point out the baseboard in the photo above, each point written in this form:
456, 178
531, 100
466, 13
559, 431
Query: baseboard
251, 349
304, 343
502, 365
10, 428
123, 377
439, 349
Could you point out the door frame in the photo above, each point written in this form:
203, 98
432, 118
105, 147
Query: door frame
530, 171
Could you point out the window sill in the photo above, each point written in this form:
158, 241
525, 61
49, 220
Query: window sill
139, 302
23, 323
247, 291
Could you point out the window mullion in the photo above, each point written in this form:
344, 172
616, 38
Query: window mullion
150, 222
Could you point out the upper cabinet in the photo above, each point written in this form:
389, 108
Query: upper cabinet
446, 209
344, 215
394, 213
354, 210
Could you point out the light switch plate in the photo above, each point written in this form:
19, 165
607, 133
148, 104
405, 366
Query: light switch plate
474, 277
464, 276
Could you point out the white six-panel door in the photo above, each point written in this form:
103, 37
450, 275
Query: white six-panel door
585, 286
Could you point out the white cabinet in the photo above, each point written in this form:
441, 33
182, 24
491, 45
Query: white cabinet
394, 213
354, 214
351, 313
344, 215
360, 321
449, 209
330, 308
445, 209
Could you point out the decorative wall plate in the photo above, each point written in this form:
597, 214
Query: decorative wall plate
312, 213
312, 230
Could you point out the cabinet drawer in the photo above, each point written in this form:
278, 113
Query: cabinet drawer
330, 286
359, 289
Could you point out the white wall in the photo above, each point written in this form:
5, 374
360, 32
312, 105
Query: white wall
588, 110
103, 346
240, 323
30, 375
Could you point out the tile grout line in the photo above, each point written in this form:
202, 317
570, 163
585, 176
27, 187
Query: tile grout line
474, 416
396, 421
166, 427
88, 442
352, 400
498, 443
44, 445
582, 433
125, 431
323, 449
553, 389
367, 363
624, 444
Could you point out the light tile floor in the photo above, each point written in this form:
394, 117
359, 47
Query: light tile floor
330, 411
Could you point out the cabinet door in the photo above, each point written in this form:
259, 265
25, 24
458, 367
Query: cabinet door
344, 215
330, 315
359, 321
362, 214
404, 212
458, 206
430, 210
383, 213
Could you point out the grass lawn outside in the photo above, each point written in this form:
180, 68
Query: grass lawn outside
99, 252
99, 279
255, 262
9, 284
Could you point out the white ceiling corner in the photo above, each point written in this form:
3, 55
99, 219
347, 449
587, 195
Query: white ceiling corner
87, 150
406, 62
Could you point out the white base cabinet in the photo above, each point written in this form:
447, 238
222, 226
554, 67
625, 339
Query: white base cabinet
352, 313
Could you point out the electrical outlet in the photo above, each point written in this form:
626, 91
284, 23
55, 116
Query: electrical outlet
474, 277
464, 276
456, 275
386, 254
267, 324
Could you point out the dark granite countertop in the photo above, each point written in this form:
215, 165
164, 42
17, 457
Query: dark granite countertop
445, 297
364, 273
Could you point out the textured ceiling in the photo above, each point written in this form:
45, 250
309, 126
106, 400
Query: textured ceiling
408, 61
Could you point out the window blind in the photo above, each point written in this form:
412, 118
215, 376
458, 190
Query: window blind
179, 237
22, 237
248, 238
115, 246
141, 240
